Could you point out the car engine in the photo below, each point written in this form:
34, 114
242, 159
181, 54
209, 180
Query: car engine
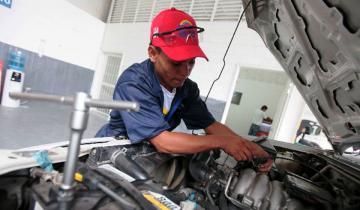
138, 177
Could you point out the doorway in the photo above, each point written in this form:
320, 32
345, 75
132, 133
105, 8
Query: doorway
255, 88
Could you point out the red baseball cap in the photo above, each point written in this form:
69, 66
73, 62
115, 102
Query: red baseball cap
176, 33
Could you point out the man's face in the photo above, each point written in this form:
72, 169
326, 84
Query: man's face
172, 74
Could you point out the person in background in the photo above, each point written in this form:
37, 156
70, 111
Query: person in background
258, 118
166, 96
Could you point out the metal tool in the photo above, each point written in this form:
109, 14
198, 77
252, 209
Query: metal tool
78, 123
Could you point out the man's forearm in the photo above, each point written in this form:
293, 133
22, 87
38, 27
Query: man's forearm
174, 142
219, 129
182, 143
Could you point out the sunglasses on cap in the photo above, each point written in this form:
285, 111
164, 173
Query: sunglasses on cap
181, 36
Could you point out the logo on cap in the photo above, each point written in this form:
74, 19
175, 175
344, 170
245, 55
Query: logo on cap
185, 23
185, 34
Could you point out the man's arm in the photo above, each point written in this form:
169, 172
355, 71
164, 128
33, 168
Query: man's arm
219, 137
217, 128
256, 150
176, 142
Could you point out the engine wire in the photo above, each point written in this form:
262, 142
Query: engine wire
104, 199
310, 167
227, 49
207, 190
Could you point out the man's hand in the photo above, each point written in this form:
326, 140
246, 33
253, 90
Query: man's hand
219, 137
242, 149
238, 148
266, 166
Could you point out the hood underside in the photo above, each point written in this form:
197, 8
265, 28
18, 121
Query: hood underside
317, 43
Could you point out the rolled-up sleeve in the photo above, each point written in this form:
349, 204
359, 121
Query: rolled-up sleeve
196, 115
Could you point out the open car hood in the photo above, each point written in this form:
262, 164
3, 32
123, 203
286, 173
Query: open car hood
317, 43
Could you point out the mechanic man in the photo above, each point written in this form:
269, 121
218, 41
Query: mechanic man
161, 86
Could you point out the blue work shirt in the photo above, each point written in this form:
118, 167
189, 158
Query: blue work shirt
140, 84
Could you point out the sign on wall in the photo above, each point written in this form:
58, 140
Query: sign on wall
236, 98
6, 3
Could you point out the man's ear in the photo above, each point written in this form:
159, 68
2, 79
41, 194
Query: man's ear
153, 53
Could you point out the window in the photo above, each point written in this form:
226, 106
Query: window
112, 70
129, 11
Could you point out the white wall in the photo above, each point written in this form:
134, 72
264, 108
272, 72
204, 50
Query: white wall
290, 116
97, 8
246, 50
54, 28
308, 115
258, 87
130, 39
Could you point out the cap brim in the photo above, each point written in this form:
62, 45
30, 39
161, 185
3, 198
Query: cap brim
182, 53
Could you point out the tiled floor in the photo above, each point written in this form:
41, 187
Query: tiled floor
37, 123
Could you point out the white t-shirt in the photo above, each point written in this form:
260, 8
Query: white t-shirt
168, 98
258, 117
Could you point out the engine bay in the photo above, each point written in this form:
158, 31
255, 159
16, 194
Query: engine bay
138, 177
